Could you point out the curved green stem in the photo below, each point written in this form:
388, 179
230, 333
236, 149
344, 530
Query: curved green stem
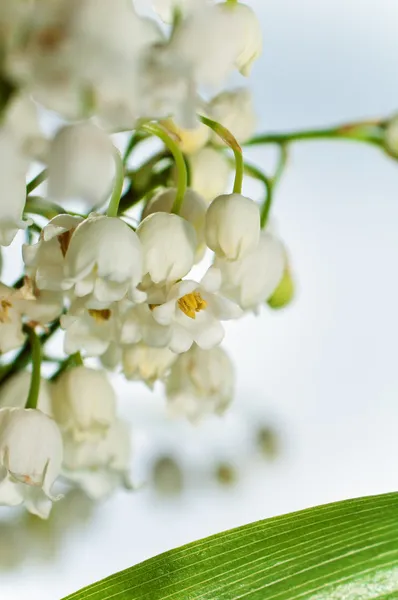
135, 139
368, 132
118, 185
36, 205
232, 142
35, 348
182, 176
36, 181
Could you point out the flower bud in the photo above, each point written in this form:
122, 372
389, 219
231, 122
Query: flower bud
169, 244
14, 392
201, 382
142, 362
232, 226
284, 293
84, 403
189, 140
210, 172
30, 459
193, 209
235, 111
80, 165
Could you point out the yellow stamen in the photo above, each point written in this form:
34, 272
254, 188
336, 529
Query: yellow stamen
5, 306
190, 304
100, 315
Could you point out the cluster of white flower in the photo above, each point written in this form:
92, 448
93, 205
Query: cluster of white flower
122, 294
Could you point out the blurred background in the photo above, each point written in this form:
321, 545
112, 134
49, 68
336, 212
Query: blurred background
316, 412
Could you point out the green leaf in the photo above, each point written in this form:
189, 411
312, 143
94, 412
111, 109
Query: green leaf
342, 551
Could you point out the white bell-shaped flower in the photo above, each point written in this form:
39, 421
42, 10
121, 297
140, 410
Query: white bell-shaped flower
11, 335
145, 363
169, 244
13, 168
250, 35
104, 258
210, 172
253, 279
232, 226
84, 403
193, 209
45, 260
193, 312
201, 382
81, 165
99, 467
14, 392
30, 459
22, 122
235, 111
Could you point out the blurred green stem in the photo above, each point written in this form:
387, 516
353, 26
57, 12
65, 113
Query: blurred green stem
35, 349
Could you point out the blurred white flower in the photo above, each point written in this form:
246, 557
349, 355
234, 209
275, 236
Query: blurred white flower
232, 226
169, 245
193, 209
22, 122
104, 258
30, 459
13, 168
193, 312
14, 392
81, 165
189, 140
166, 8
253, 279
84, 403
99, 466
11, 335
235, 111
200, 382
45, 260
210, 172
250, 35
145, 363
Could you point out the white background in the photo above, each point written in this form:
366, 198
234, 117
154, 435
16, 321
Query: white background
324, 371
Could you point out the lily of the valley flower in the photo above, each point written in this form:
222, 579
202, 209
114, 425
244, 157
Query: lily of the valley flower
235, 111
193, 312
80, 165
104, 258
30, 459
253, 279
14, 392
250, 35
99, 466
45, 260
232, 226
193, 210
146, 363
169, 245
210, 172
13, 168
201, 382
84, 403
189, 140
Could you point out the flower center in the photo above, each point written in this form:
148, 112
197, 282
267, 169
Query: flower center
190, 304
100, 315
64, 239
5, 306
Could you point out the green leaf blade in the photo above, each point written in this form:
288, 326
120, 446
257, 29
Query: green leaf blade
342, 551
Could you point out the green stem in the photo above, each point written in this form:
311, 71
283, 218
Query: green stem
135, 139
368, 132
36, 205
74, 360
182, 176
36, 181
232, 142
35, 347
118, 185
272, 184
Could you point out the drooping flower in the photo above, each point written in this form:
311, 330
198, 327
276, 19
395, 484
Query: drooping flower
232, 226
250, 36
193, 311
80, 165
104, 258
210, 172
30, 459
253, 279
99, 467
200, 382
145, 363
14, 392
84, 403
169, 245
235, 111
193, 210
